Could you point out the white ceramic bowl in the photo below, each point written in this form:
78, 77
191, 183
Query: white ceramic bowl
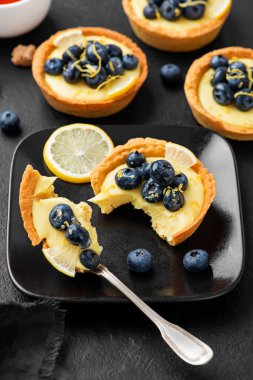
21, 17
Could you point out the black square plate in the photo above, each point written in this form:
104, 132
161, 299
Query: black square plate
221, 232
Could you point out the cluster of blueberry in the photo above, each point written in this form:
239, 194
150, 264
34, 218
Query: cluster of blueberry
160, 181
97, 64
62, 218
233, 83
171, 10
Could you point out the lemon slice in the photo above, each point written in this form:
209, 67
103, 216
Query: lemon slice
180, 157
63, 258
69, 38
217, 8
72, 152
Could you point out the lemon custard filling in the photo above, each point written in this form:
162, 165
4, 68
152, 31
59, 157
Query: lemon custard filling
91, 71
227, 93
186, 15
166, 223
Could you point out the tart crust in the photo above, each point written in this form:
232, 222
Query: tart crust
193, 78
154, 148
185, 40
89, 109
26, 195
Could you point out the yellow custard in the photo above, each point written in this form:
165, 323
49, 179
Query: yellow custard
166, 223
228, 114
80, 91
179, 24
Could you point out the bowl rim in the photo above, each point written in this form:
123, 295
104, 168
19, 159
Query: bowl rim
17, 4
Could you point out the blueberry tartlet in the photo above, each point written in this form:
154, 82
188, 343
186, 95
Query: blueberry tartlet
219, 90
163, 179
69, 241
89, 72
177, 25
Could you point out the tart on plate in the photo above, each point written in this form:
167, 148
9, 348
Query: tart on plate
89, 72
37, 199
165, 180
219, 90
177, 26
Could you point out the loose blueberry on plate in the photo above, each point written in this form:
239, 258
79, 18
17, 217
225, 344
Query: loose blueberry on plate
77, 235
194, 12
61, 216
244, 100
114, 66
54, 66
218, 61
223, 94
180, 181
89, 259
98, 79
171, 74
94, 50
152, 192
146, 170
196, 260
173, 200
130, 61
219, 75
71, 74
162, 172
9, 122
113, 51
135, 159
170, 10
72, 54
140, 260
128, 178
150, 11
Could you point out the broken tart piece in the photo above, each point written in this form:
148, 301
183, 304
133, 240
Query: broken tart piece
62, 226
163, 179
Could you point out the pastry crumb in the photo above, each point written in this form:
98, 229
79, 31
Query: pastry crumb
22, 55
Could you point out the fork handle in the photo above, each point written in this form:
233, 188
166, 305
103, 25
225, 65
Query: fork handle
186, 346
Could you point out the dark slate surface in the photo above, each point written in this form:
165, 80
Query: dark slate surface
112, 342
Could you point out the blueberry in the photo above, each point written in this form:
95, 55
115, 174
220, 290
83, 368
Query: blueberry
54, 66
218, 61
196, 260
9, 122
98, 79
219, 76
114, 66
169, 10
180, 181
162, 172
140, 260
72, 54
146, 170
113, 51
135, 159
71, 74
152, 192
173, 200
237, 79
89, 259
94, 50
238, 65
244, 100
61, 216
194, 12
77, 235
150, 12
130, 61
170, 74
223, 94
128, 178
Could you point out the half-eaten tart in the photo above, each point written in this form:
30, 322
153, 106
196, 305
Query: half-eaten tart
165, 180
89, 72
177, 25
219, 90
43, 213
